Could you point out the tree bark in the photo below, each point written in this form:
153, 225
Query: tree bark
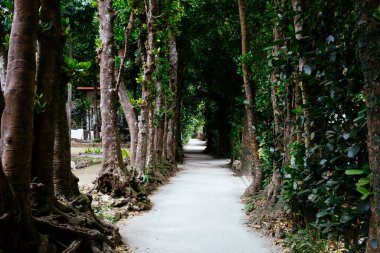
275, 182
278, 113
246, 160
3, 59
173, 83
249, 90
17, 122
65, 182
159, 111
151, 136
129, 111
130, 116
96, 118
141, 151
369, 54
112, 175
178, 149
7, 198
50, 58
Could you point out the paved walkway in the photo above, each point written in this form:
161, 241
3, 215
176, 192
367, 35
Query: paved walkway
199, 211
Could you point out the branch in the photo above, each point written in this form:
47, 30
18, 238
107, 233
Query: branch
127, 33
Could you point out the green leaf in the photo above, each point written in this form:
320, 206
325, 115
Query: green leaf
363, 181
353, 151
365, 196
376, 14
354, 172
291, 28
322, 213
363, 190
346, 218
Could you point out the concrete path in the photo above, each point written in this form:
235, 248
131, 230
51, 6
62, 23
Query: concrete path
199, 211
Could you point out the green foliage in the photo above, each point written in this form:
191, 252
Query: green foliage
305, 241
376, 14
125, 153
79, 111
363, 185
76, 70
39, 104
105, 212
249, 207
95, 150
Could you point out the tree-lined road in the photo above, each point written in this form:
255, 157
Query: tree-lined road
198, 211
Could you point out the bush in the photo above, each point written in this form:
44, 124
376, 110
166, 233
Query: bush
305, 241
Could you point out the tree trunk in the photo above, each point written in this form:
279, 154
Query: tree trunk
96, 118
369, 54
159, 111
112, 175
249, 90
65, 182
141, 151
150, 148
7, 199
165, 138
17, 123
278, 114
173, 82
3, 59
50, 60
131, 118
70, 91
178, 149
275, 182
246, 146
129, 111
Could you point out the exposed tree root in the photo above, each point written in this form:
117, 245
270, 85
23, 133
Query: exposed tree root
71, 226
74, 247
113, 180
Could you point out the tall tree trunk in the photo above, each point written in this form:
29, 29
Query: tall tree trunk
17, 121
141, 151
7, 206
159, 111
112, 175
275, 182
50, 60
249, 90
152, 133
3, 59
278, 113
178, 149
308, 91
70, 90
173, 82
131, 118
369, 54
129, 111
65, 182
246, 160
165, 138
96, 125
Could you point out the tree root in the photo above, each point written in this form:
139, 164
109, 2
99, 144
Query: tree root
75, 225
113, 179
74, 247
